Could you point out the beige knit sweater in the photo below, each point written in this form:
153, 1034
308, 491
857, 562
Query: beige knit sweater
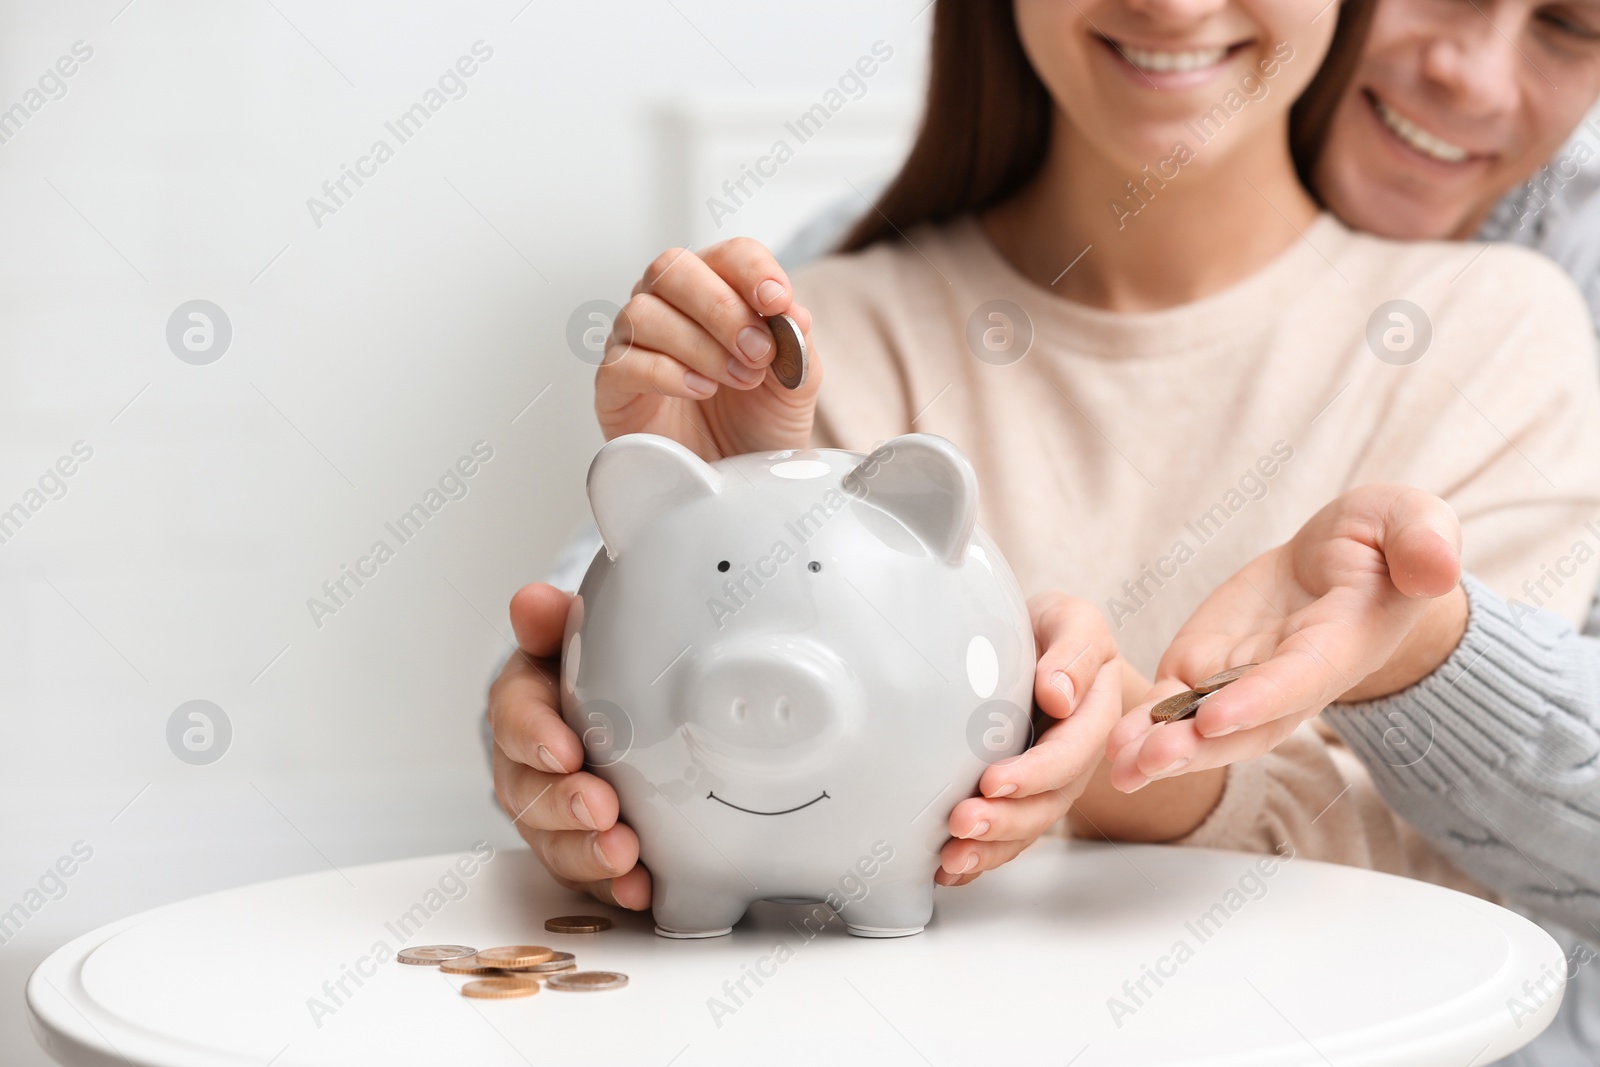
1138, 460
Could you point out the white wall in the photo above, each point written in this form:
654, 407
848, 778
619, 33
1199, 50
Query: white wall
367, 355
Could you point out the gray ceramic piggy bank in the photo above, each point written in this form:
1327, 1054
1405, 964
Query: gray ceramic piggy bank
791, 666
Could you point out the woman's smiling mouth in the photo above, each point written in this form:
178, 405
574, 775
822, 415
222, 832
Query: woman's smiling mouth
1172, 68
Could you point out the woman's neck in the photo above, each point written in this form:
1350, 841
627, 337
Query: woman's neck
1185, 230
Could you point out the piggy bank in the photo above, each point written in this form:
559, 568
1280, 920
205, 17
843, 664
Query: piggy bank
791, 666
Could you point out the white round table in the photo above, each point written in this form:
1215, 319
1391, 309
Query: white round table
1089, 955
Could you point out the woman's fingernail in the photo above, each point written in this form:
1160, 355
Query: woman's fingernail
1134, 789
741, 373
972, 861
1061, 682
600, 853
1225, 731
580, 811
769, 292
1172, 768
754, 343
980, 828
548, 761
698, 383
1004, 791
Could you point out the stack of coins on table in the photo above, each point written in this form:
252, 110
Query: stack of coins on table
511, 971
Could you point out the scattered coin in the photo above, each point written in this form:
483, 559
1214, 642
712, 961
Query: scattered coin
1177, 706
578, 924
428, 955
498, 989
1217, 681
587, 981
560, 961
520, 976
534, 976
790, 364
470, 965
515, 957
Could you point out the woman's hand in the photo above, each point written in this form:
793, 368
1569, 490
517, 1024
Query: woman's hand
1079, 682
567, 816
688, 355
1363, 601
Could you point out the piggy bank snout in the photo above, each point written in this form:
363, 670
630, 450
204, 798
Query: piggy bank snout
769, 698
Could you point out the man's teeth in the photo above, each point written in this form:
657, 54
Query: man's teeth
1419, 138
1162, 62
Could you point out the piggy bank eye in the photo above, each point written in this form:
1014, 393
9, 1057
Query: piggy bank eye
722, 566
813, 566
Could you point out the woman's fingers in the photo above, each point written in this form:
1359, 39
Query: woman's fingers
726, 291
959, 858
1078, 680
1065, 754
646, 372
753, 272
1011, 819
1076, 644
651, 324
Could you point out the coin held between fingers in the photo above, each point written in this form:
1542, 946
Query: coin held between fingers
1186, 705
790, 364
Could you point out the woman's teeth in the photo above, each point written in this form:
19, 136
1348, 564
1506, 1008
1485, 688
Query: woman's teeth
1417, 137
1162, 62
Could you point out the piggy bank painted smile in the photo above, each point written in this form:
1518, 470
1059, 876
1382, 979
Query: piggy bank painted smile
791, 666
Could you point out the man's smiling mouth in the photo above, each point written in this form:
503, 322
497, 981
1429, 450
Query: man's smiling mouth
785, 811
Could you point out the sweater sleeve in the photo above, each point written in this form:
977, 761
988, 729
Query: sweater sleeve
1310, 798
1495, 756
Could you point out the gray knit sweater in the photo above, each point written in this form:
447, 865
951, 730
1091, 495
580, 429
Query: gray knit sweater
1495, 757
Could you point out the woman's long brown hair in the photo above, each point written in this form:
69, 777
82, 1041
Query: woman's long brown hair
986, 125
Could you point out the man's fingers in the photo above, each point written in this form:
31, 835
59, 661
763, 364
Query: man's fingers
631, 890
1307, 673
525, 721
553, 801
1421, 543
585, 855
1177, 748
539, 618
1137, 722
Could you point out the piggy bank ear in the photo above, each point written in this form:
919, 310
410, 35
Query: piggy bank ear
927, 485
638, 477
